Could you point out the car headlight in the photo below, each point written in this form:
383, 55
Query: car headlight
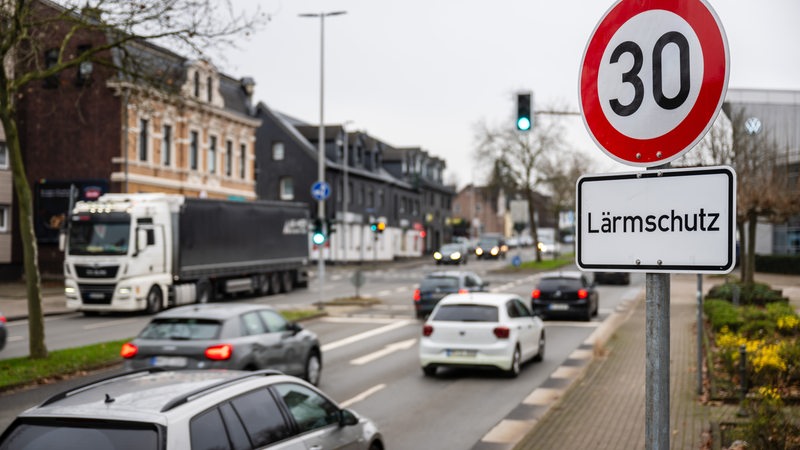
478, 251
124, 291
69, 290
437, 255
455, 255
495, 251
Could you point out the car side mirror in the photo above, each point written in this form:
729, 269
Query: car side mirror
347, 418
294, 327
141, 240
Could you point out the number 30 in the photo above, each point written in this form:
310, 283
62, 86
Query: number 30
632, 76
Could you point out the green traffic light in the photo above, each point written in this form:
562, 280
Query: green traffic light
523, 124
318, 238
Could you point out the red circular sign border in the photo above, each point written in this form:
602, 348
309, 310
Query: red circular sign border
715, 79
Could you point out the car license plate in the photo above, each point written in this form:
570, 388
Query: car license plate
168, 361
559, 307
462, 353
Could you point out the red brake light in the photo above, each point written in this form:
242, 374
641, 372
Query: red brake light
3, 319
463, 291
219, 352
583, 293
417, 295
427, 330
502, 332
536, 293
128, 350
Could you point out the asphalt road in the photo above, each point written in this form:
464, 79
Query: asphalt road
370, 360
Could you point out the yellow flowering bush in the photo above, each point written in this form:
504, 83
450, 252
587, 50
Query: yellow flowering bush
788, 324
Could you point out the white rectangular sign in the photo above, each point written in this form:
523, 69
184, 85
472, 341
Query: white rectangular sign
660, 221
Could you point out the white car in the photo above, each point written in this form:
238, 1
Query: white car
487, 330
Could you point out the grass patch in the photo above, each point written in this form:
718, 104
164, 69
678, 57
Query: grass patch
543, 265
357, 301
61, 364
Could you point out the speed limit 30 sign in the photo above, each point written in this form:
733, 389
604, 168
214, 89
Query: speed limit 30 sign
653, 79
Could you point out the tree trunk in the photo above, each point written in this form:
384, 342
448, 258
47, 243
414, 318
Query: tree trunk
534, 226
752, 222
36, 343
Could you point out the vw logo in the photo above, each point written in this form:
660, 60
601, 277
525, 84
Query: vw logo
752, 125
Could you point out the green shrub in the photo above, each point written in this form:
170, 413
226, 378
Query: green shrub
788, 264
757, 329
754, 294
722, 313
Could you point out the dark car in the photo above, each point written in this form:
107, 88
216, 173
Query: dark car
491, 247
565, 294
3, 331
612, 278
451, 254
437, 285
225, 336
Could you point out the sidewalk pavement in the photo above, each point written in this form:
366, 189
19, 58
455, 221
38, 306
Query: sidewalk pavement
604, 407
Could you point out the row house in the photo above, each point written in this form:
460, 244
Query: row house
183, 127
483, 209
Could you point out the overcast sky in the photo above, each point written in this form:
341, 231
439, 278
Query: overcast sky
422, 73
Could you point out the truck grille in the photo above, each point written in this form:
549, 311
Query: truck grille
96, 271
96, 294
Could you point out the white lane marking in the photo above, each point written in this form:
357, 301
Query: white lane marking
362, 396
509, 431
108, 324
384, 293
14, 338
356, 320
364, 335
403, 289
388, 350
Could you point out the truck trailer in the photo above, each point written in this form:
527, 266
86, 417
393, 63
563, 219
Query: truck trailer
147, 252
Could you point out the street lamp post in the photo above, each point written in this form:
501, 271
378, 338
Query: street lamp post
321, 143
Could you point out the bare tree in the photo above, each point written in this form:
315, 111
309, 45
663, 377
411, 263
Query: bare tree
560, 174
28, 27
516, 157
765, 187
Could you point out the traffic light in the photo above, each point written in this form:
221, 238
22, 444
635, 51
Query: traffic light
377, 227
381, 227
318, 233
330, 226
524, 117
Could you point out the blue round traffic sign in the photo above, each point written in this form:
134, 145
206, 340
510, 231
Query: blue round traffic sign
320, 190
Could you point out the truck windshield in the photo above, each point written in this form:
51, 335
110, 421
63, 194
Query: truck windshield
92, 235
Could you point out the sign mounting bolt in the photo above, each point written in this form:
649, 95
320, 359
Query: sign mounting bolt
658, 262
638, 262
638, 156
658, 155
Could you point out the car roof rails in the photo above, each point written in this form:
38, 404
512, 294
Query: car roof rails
185, 398
83, 387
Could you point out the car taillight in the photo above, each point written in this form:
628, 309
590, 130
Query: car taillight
417, 295
128, 350
463, 291
502, 332
427, 330
3, 319
219, 352
583, 293
536, 293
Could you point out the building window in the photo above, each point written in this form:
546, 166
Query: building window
287, 188
242, 160
3, 155
197, 85
3, 218
212, 155
209, 88
166, 145
277, 151
50, 60
228, 158
193, 143
143, 139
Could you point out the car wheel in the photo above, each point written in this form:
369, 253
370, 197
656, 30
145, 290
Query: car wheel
313, 369
274, 283
286, 281
596, 309
204, 292
429, 371
154, 300
513, 372
540, 354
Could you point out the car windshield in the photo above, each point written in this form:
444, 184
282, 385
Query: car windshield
451, 248
439, 283
51, 434
89, 235
466, 313
562, 284
181, 329
488, 242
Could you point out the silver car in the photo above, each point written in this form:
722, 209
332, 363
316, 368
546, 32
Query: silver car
154, 409
237, 336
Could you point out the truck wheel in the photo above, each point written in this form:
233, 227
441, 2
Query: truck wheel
203, 292
263, 284
287, 283
274, 283
154, 300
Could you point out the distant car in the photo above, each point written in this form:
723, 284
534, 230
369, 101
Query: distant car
225, 336
451, 254
3, 331
483, 330
491, 247
612, 278
565, 294
154, 409
436, 285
